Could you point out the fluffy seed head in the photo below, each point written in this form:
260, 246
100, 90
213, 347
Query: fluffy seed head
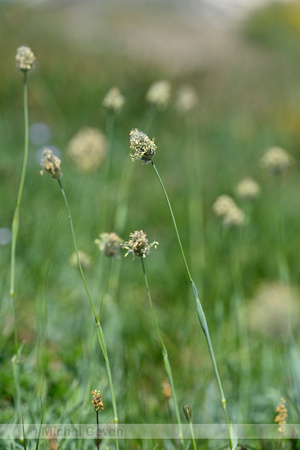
248, 189
97, 401
114, 101
138, 244
51, 164
25, 58
87, 149
276, 161
143, 149
109, 244
159, 94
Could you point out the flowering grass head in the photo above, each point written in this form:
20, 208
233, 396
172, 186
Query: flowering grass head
51, 164
109, 244
138, 244
229, 213
281, 416
25, 58
248, 189
143, 149
159, 94
114, 101
87, 149
186, 100
276, 161
97, 400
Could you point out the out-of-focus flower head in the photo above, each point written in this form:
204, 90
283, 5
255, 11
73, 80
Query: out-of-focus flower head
186, 99
275, 310
248, 189
166, 389
159, 94
114, 101
87, 149
143, 149
276, 160
25, 58
138, 244
229, 213
84, 259
51, 164
109, 244
281, 416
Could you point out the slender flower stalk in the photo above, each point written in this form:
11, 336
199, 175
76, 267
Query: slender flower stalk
51, 164
98, 404
24, 59
187, 411
143, 149
164, 353
138, 245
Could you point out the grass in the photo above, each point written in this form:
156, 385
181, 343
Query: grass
242, 112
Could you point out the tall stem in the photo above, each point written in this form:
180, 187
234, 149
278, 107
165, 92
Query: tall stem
15, 222
200, 311
165, 354
100, 333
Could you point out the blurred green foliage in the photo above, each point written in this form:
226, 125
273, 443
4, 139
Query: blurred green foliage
248, 102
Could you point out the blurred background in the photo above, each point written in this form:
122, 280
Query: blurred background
242, 61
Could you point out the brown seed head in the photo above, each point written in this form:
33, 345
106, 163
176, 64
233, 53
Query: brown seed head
51, 164
97, 401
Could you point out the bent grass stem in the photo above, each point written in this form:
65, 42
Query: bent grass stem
200, 311
164, 353
100, 333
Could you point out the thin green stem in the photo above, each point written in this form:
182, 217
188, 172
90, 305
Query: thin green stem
100, 333
201, 314
15, 222
164, 352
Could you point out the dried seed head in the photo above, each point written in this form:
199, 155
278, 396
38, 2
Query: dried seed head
159, 94
166, 389
138, 244
109, 244
97, 401
281, 415
187, 411
276, 161
143, 149
248, 189
51, 164
24, 58
114, 101
186, 100
229, 213
87, 149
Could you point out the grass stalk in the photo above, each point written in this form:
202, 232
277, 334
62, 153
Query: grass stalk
15, 222
99, 329
164, 353
200, 311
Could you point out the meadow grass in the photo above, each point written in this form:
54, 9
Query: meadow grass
230, 130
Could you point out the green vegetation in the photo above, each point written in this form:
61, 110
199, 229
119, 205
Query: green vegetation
247, 276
